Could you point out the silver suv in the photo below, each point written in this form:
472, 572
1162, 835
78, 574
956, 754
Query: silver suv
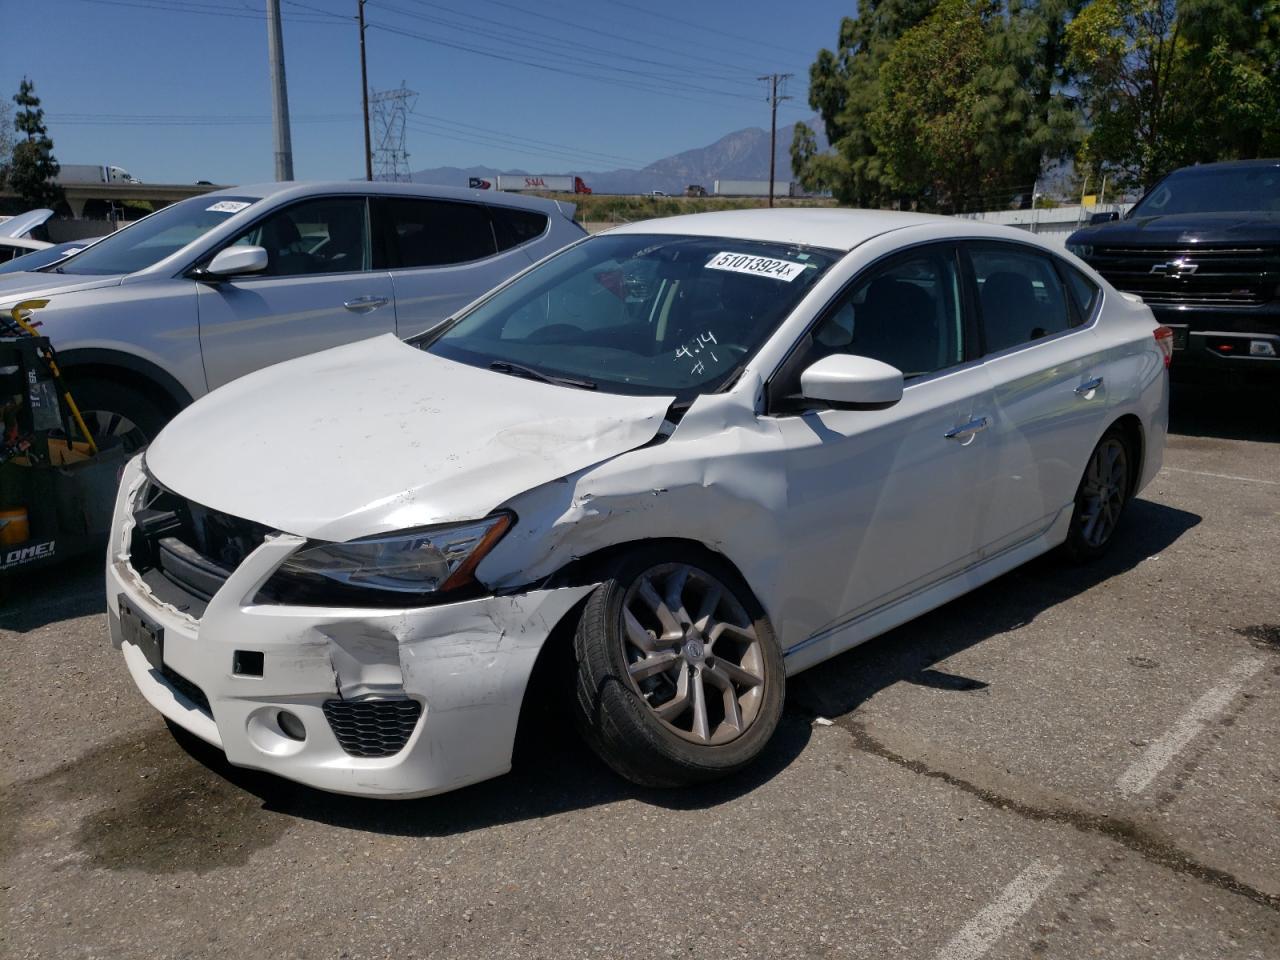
208, 289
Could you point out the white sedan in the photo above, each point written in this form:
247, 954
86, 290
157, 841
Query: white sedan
690, 456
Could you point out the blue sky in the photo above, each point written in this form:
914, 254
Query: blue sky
177, 90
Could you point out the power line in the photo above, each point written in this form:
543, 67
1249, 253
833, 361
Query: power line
567, 155
607, 157
693, 26
520, 43
647, 88
201, 9
743, 76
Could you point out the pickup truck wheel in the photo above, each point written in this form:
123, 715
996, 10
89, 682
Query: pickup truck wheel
1101, 497
680, 679
114, 410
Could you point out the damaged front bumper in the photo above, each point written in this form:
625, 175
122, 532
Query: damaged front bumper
390, 703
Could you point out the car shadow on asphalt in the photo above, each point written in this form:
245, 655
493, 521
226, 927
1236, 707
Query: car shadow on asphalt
1225, 411
555, 773
68, 590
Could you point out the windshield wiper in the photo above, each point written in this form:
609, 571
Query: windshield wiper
519, 370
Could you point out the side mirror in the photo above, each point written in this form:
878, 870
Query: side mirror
233, 261
849, 382
1103, 217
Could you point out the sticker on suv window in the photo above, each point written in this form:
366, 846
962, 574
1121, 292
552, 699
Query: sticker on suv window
757, 266
227, 206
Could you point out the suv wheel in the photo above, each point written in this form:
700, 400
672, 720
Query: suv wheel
115, 411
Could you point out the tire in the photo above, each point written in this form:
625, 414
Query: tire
112, 409
712, 696
1101, 497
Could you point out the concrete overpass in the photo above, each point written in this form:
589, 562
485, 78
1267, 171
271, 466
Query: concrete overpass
158, 194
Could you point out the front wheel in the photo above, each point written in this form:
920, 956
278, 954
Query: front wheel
115, 412
1101, 497
680, 679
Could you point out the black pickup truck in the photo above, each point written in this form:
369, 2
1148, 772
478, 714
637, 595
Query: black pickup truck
1202, 249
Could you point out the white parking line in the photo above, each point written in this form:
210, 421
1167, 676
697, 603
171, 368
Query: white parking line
1224, 476
1157, 756
994, 920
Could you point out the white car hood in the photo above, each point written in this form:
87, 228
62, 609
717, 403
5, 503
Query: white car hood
379, 436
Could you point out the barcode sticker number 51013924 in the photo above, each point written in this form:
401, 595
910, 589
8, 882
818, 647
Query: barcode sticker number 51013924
756, 266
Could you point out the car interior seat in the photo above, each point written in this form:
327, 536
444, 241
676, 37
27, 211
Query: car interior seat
1010, 314
897, 323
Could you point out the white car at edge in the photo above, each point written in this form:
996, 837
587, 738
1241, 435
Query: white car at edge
704, 453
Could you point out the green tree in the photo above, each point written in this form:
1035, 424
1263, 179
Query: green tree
1017, 93
930, 127
844, 87
33, 167
6, 142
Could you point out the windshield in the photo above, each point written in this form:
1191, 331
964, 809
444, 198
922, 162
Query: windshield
639, 313
153, 238
1224, 190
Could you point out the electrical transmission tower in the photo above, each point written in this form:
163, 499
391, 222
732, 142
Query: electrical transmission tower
390, 115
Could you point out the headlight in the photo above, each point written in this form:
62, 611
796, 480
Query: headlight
1082, 250
430, 560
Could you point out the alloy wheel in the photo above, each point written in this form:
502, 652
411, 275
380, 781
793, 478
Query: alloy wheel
692, 653
1103, 491
108, 425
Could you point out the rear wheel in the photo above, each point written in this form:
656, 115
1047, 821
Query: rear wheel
1101, 497
680, 679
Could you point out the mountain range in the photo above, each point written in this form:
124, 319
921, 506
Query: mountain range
741, 155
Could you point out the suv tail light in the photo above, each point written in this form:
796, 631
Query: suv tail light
1164, 340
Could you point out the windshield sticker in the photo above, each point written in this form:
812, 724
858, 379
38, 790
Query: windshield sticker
757, 266
227, 206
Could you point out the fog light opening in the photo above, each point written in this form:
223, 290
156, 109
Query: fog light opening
291, 726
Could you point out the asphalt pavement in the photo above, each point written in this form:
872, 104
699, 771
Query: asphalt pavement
1069, 762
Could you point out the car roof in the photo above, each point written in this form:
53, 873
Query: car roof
298, 189
1229, 165
834, 228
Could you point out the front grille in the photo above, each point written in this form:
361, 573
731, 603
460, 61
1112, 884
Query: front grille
1223, 276
187, 689
185, 551
372, 728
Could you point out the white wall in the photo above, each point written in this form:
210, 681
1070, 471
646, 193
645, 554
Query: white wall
1053, 225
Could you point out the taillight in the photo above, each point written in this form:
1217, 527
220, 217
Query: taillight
1164, 340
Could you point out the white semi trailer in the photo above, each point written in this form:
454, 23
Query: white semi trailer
754, 188
94, 173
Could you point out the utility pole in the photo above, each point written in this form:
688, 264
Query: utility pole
364, 95
775, 81
279, 93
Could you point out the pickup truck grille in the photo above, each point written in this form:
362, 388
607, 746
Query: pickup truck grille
1226, 276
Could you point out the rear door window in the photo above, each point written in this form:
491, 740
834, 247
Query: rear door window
1084, 292
513, 227
432, 233
1020, 294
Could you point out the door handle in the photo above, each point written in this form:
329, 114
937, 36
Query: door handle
968, 430
1088, 387
365, 304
